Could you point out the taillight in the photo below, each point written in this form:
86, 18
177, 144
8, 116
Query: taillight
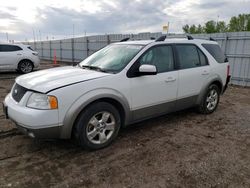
228, 70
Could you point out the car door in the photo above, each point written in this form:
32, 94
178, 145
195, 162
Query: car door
193, 73
10, 55
154, 94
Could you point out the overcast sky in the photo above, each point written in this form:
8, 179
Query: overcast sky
57, 18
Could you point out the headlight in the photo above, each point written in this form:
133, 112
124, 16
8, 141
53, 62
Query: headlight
42, 101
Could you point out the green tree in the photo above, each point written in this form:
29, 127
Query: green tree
192, 29
199, 29
185, 28
239, 23
210, 27
221, 27
236, 23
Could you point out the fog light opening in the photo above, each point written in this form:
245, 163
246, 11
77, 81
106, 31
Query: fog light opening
32, 135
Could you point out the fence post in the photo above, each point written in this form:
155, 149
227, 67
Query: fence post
35, 46
61, 50
42, 49
73, 53
226, 39
50, 50
108, 39
87, 46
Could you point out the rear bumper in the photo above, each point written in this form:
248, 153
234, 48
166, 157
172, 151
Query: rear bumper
227, 82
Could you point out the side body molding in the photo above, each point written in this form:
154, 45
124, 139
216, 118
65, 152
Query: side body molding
88, 98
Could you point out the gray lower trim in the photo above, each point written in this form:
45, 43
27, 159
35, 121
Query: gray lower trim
164, 108
43, 133
148, 112
187, 102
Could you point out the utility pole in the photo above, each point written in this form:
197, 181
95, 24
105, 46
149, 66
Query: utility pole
40, 35
7, 36
34, 37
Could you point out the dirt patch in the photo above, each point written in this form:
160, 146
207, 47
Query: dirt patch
183, 149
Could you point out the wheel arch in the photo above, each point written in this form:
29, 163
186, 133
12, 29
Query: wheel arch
217, 81
81, 104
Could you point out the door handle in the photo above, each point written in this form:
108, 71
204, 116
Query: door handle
170, 79
19, 54
205, 73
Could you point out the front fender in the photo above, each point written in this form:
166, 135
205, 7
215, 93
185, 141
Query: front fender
85, 100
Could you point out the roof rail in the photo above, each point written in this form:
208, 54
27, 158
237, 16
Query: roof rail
189, 37
161, 38
212, 39
125, 39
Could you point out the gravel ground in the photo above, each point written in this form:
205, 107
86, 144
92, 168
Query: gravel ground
182, 149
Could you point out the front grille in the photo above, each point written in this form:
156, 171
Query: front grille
18, 92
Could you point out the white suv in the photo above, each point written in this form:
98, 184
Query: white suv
18, 57
121, 84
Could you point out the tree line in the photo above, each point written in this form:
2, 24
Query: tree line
236, 23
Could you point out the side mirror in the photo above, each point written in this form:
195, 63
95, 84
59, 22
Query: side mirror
147, 70
226, 60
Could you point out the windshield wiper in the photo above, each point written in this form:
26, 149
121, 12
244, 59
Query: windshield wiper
93, 68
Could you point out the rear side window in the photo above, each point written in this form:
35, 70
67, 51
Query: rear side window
188, 56
215, 51
9, 48
203, 58
29, 47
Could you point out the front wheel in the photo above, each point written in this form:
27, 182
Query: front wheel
97, 126
210, 100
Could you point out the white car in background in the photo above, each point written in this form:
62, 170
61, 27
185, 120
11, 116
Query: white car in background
18, 57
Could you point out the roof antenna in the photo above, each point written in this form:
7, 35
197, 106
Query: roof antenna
189, 37
125, 39
161, 38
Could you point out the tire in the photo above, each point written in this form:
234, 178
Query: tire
97, 126
210, 100
25, 66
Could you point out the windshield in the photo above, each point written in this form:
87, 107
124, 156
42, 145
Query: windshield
112, 58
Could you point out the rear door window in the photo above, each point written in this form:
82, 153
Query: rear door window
215, 51
188, 56
9, 48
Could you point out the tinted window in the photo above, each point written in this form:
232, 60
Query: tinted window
29, 47
9, 48
188, 56
160, 56
203, 59
215, 51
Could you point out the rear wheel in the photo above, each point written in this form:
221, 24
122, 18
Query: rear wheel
25, 66
97, 126
210, 100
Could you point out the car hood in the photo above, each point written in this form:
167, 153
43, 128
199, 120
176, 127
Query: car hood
49, 79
